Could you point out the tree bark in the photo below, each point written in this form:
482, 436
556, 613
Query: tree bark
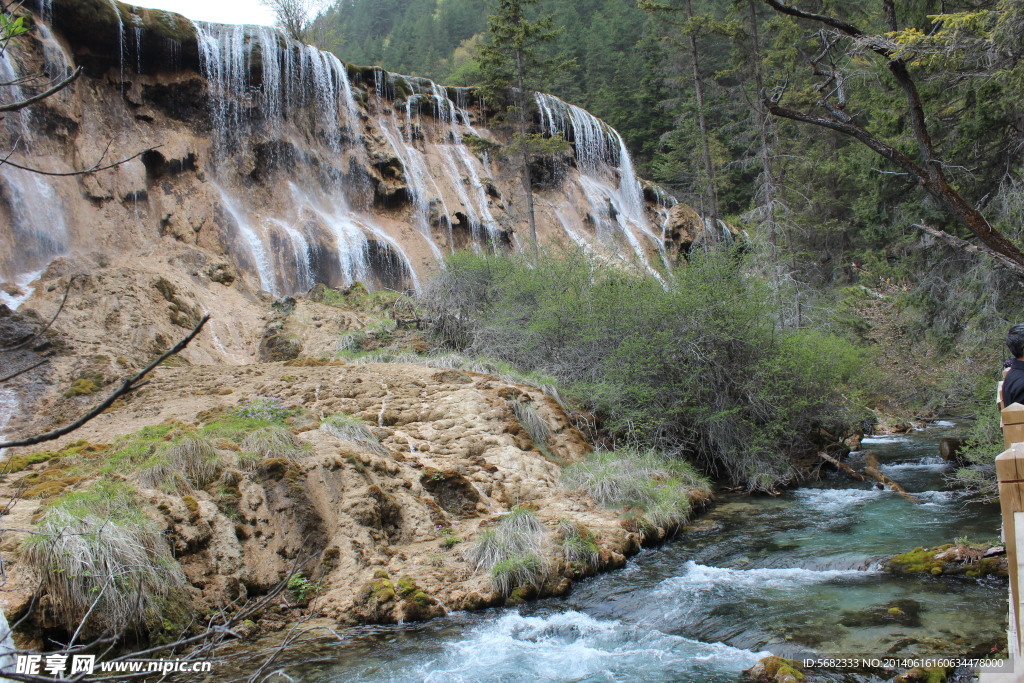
928, 169
711, 189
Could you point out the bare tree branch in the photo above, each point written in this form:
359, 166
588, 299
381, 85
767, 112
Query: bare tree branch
126, 387
15, 106
24, 370
96, 167
23, 344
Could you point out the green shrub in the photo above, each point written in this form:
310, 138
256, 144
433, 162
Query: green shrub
449, 539
693, 363
301, 588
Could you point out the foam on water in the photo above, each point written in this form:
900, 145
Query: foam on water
572, 646
703, 577
883, 439
932, 463
943, 423
837, 500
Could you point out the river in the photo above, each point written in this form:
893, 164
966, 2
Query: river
796, 575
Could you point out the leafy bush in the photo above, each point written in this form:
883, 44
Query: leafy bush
301, 588
97, 554
694, 364
661, 486
983, 443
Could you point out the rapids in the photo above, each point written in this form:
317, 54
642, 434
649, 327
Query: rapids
792, 576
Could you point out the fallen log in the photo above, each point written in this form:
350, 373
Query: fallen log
871, 469
842, 466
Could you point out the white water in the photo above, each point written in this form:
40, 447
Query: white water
698, 577
572, 646
303, 96
836, 501
8, 409
39, 229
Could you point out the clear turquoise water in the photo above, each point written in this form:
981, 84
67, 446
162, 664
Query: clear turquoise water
766, 575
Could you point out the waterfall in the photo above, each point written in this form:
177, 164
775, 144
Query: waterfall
38, 227
616, 209
120, 43
279, 103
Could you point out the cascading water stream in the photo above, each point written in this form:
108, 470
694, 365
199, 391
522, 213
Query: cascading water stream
38, 229
616, 209
303, 95
795, 576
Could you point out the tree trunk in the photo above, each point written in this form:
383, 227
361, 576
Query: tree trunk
764, 123
711, 190
525, 154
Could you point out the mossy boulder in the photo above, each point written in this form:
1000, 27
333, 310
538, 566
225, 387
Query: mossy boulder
775, 670
949, 560
417, 604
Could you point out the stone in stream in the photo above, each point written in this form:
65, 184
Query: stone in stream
904, 612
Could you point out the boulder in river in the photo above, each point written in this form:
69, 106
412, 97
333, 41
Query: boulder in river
774, 670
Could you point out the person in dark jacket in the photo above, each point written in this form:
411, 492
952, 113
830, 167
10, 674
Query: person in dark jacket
1013, 383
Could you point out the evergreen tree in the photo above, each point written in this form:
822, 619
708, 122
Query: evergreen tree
512, 61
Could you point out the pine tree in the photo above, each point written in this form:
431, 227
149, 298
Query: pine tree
515, 57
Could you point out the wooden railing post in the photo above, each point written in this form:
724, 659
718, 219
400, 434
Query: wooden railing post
1010, 472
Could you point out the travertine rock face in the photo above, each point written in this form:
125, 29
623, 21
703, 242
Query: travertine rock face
280, 160
455, 458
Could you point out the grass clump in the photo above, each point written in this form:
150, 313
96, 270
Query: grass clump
579, 545
96, 550
352, 429
189, 462
515, 571
272, 442
662, 487
512, 552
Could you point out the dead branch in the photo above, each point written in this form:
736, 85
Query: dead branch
872, 470
128, 386
842, 466
26, 342
16, 106
24, 370
964, 245
93, 169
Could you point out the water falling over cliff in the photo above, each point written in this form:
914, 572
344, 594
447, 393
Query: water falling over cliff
297, 167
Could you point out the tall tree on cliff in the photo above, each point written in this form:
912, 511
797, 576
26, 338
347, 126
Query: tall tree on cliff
512, 60
918, 156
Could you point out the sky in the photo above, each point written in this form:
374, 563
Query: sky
222, 11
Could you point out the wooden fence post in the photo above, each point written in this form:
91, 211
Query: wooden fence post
1010, 472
